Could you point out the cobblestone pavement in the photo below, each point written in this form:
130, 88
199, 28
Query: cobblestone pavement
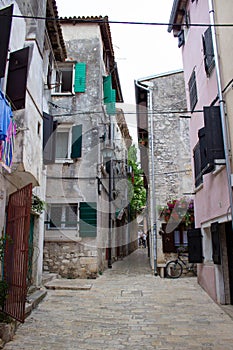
127, 308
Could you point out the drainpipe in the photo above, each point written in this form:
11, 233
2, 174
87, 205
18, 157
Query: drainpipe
222, 106
153, 223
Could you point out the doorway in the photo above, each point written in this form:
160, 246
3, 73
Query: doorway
229, 238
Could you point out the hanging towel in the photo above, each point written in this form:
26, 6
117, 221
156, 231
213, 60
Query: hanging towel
5, 116
7, 147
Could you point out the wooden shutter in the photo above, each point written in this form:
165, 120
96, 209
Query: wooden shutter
111, 106
197, 165
216, 247
49, 139
5, 30
192, 91
109, 95
206, 164
181, 39
17, 72
168, 241
208, 51
213, 131
76, 149
80, 77
195, 245
107, 83
88, 219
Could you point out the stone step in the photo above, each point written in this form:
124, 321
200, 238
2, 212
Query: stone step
34, 299
47, 277
69, 284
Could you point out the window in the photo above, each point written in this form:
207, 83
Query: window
69, 142
71, 78
180, 238
208, 51
175, 239
65, 79
63, 140
192, 91
63, 216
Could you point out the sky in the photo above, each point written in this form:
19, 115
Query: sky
140, 50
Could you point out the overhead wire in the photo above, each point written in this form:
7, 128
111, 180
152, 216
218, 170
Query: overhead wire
101, 20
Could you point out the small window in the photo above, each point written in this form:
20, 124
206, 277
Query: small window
69, 142
192, 91
175, 239
63, 143
63, 216
65, 79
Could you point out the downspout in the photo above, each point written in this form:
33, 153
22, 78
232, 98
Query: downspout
153, 222
222, 107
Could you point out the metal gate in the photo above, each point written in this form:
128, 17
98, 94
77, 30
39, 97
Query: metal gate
16, 252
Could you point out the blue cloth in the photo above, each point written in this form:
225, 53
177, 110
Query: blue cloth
5, 116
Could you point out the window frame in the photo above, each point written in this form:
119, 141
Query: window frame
63, 207
60, 129
62, 67
170, 243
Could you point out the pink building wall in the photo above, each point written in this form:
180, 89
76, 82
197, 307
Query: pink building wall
211, 200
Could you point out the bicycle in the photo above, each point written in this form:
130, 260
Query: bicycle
175, 268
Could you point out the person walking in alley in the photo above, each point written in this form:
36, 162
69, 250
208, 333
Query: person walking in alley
144, 237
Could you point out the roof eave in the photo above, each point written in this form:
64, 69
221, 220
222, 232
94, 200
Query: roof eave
177, 14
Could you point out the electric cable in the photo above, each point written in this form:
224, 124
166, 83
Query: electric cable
104, 20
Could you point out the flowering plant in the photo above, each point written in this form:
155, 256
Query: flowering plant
181, 210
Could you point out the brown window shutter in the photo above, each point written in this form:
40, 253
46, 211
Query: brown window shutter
197, 164
195, 245
214, 136
168, 241
49, 139
5, 30
17, 72
216, 245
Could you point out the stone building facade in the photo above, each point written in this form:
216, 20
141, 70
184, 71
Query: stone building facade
166, 157
82, 235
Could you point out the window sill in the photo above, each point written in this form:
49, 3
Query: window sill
218, 168
63, 94
198, 188
62, 161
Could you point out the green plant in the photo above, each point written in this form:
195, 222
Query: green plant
3, 283
37, 204
138, 195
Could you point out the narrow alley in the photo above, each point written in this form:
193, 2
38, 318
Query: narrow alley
126, 308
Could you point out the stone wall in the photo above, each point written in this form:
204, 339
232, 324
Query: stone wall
172, 156
70, 259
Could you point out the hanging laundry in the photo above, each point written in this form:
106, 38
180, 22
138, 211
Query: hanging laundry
7, 147
7, 133
5, 116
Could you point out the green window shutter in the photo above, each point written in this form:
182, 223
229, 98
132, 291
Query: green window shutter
76, 148
111, 106
80, 77
88, 219
107, 89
